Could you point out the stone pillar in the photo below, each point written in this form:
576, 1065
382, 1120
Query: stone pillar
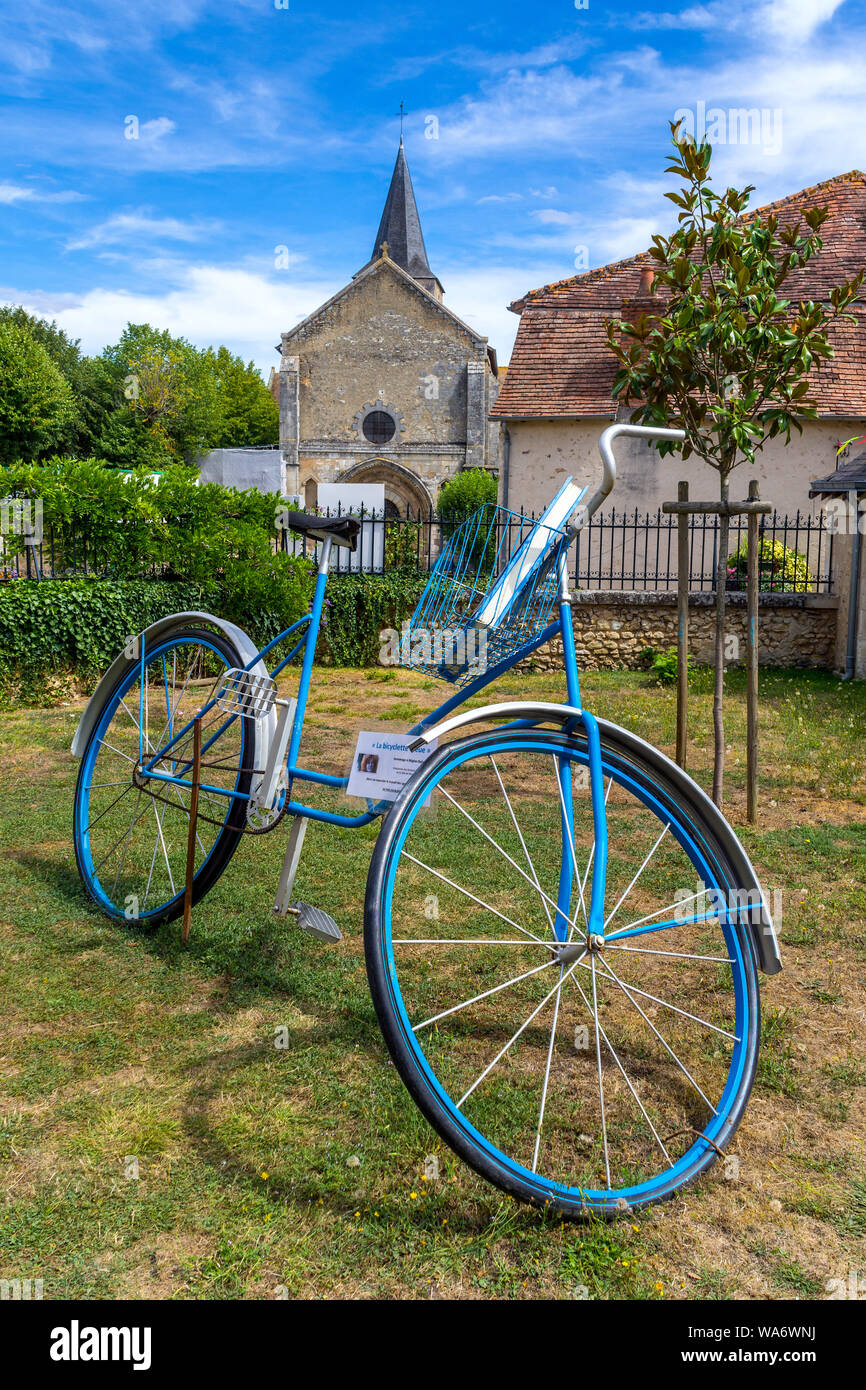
289, 419
476, 414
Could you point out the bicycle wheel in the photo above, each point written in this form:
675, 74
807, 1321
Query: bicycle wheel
604, 1080
131, 832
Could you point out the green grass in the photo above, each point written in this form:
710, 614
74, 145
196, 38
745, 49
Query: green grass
156, 1142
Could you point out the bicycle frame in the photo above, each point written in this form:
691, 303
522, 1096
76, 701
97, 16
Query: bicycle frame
309, 626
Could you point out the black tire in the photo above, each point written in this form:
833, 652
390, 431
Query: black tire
628, 755
228, 837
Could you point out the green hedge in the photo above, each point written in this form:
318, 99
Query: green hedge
80, 625
360, 606
77, 626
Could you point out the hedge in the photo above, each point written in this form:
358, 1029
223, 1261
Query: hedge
78, 626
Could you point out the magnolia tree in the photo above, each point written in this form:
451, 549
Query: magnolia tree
726, 356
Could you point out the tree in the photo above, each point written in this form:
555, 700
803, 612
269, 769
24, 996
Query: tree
727, 357
37, 407
170, 386
250, 415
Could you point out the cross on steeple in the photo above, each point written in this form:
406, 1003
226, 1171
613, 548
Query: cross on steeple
401, 113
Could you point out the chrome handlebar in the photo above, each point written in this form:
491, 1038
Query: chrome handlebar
605, 448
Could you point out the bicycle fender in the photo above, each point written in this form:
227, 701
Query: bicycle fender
150, 636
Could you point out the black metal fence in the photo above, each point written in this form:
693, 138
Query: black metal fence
616, 550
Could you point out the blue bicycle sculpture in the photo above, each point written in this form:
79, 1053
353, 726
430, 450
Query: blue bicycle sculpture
562, 933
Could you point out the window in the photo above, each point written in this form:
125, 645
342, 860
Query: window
379, 426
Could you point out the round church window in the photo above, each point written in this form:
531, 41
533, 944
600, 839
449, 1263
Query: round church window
379, 426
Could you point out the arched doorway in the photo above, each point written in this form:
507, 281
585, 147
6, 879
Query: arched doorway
405, 494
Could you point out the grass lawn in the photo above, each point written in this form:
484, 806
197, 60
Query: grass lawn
156, 1143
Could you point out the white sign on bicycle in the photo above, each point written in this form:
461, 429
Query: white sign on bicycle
383, 763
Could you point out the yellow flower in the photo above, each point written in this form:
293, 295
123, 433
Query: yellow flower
264, 1175
413, 1195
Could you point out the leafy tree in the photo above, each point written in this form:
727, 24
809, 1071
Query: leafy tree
250, 414
726, 357
37, 407
65, 352
170, 386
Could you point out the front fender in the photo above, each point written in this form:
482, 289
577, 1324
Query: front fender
150, 636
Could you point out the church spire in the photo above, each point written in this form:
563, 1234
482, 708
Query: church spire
400, 228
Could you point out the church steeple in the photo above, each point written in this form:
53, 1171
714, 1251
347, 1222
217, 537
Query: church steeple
400, 229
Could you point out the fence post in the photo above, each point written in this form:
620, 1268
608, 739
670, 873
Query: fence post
752, 661
682, 625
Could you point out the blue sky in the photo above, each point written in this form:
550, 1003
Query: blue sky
261, 127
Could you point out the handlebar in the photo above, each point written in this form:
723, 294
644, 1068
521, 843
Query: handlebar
609, 462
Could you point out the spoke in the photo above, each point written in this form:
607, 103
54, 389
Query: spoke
567, 821
681, 955
626, 989
133, 824
594, 1011
547, 1075
486, 995
523, 843
116, 750
612, 1052
694, 1017
479, 901
463, 941
164, 850
127, 787
638, 874
498, 847
516, 1035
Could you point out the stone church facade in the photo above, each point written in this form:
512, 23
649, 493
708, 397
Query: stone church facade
384, 383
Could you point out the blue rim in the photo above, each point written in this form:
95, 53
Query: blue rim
82, 800
548, 1188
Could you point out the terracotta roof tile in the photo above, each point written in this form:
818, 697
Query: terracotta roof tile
561, 365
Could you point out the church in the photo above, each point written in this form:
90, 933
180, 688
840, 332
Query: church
384, 383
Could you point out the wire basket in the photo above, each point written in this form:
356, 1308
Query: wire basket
490, 593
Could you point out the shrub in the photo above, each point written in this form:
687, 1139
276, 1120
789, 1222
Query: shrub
462, 495
664, 665
781, 570
360, 606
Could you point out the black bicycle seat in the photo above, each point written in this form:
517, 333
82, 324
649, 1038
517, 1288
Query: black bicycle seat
343, 529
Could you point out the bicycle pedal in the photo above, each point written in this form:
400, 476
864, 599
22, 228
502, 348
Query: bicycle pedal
317, 922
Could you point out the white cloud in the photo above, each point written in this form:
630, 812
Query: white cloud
25, 193
552, 216
138, 227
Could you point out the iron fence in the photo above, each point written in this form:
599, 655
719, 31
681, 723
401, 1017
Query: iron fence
617, 550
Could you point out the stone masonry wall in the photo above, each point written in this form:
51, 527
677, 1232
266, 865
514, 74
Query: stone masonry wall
612, 630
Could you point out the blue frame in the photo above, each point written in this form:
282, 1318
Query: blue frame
308, 629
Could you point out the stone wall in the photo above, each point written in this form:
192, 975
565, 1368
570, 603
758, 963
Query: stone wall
612, 630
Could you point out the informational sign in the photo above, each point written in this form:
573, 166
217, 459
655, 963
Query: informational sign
383, 763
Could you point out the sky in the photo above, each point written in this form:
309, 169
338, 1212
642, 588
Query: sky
220, 169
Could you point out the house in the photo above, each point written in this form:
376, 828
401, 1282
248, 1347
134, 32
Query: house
556, 398
384, 383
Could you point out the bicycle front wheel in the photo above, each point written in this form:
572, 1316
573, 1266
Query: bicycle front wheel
599, 1078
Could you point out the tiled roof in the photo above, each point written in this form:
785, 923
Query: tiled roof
849, 477
561, 365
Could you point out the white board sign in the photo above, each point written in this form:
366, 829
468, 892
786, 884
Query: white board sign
383, 763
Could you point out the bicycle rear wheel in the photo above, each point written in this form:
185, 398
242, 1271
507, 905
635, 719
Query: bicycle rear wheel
130, 831
598, 1080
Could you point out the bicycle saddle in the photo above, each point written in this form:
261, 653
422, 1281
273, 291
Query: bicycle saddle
342, 529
